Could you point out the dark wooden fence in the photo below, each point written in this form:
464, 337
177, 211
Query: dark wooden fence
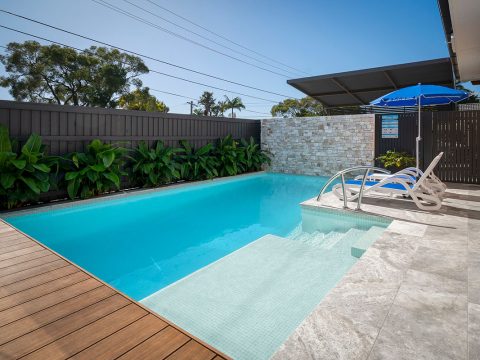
456, 133
69, 128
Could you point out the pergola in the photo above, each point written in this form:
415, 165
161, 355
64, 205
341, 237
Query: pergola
362, 86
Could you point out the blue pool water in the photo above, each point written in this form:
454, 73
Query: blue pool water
142, 243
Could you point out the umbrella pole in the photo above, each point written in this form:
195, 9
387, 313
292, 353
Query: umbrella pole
419, 135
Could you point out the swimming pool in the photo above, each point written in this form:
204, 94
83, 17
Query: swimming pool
142, 243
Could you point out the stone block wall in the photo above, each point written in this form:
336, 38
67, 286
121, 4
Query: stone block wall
319, 145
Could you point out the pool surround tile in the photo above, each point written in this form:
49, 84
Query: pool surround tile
414, 294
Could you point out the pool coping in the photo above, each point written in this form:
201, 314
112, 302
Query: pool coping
400, 301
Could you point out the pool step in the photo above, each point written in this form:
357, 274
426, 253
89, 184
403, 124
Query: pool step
331, 239
334, 238
326, 241
314, 238
366, 240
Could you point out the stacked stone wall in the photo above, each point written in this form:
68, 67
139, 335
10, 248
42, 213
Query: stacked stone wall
319, 145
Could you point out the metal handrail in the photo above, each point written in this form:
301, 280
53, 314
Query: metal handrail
342, 173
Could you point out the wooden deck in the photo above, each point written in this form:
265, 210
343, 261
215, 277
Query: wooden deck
52, 309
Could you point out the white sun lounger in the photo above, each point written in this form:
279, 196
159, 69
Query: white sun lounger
421, 192
410, 176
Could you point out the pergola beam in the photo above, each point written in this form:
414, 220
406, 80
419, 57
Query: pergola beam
341, 86
389, 78
362, 91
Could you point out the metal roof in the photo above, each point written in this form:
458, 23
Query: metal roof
461, 27
444, 9
362, 86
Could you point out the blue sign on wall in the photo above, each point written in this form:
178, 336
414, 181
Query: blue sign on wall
389, 126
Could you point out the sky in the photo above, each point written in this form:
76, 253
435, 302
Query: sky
313, 37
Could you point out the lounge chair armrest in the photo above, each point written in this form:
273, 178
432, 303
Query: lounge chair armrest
395, 180
413, 170
408, 172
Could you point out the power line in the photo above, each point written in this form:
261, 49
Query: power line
151, 70
193, 99
256, 112
204, 37
223, 37
173, 94
210, 86
138, 18
256, 117
139, 54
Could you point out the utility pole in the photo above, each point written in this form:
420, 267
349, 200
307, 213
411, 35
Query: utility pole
191, 106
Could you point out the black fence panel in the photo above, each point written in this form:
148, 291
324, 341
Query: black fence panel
455, 133
69, 128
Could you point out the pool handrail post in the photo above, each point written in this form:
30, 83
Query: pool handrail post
345, 206
342, 173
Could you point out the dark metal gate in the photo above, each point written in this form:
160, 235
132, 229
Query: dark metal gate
456, 133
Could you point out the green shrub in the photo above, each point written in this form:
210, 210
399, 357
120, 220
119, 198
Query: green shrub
253, 156
27, 173
24, 175
397, 160
151, 167
94, 172
197, 164
230, 157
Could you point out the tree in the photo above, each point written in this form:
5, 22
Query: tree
206, 103
473, 98
235, 103
198, 111
60, 75
218, 109
141, 99
306, 106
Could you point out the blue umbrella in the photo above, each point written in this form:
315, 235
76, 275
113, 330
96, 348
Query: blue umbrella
421, 95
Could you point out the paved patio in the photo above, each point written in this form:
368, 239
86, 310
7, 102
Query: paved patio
415, 293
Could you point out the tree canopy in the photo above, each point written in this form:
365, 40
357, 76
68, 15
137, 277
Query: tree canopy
97, 76
473, 98
207, 105
290, 108
141, 99
235, 103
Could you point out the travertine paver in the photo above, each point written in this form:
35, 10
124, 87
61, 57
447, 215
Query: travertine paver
415, 293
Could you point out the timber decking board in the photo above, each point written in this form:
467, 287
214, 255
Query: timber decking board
37, 280
52, 309
29, 272
28, 257
192, 350
40, 290
14, 247
12, 254
122, 341
13, 241
54, 313
28, 265
48, 334
170, 339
